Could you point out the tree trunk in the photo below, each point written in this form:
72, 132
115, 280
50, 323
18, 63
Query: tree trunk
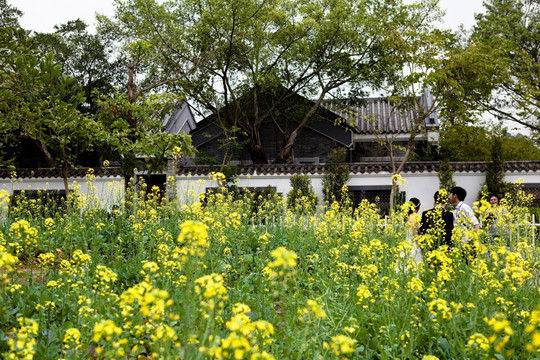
392, 195
62, 171
256, 150
131, 87
64, 174
257, 153
285, 151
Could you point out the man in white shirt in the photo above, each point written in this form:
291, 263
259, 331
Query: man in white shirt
463, 214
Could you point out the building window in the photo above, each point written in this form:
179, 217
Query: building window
534, 190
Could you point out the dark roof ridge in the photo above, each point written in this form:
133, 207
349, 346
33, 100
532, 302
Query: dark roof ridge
364, 167
50, 173
289, 169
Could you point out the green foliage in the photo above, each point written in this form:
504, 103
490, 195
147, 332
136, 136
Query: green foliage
135, 131
39, 102
446, 174
84, 56
37, 204
267, 203
512, 29
495, 68
495, 170
230, 173
425, 152
461, 142
464, 143
207, 279
519, 148
205, 159
336, 174
301, 199
536, 212
9, 15
337, 47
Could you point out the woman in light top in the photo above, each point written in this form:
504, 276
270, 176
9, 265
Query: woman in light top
413, 217
413, 222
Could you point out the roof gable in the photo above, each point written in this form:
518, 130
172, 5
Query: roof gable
324, 122
181, 120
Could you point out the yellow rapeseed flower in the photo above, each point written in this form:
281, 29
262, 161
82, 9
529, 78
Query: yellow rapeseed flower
362, 292
21, 342
284, 263
478, 341
499, 323
440, 306
46, 259
106, 329
4, 197
49, 223
342, 345
81, 259
72, 338
194, 236
240, 308
210, 286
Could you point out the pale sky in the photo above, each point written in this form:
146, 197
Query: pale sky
42, 15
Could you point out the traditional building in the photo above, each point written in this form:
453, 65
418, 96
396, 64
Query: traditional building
357, 125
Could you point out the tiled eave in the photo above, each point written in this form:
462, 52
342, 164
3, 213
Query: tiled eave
287, 169
48, 173
363, 168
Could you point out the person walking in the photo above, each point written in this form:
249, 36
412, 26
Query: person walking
412, 215
464, 218
437, 222
463, 213
413, 223
491, 218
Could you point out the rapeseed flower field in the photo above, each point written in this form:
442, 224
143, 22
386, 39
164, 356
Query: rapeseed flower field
220, 278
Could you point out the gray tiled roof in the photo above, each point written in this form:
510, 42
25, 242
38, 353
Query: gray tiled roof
378, 115
373, 115
290, 169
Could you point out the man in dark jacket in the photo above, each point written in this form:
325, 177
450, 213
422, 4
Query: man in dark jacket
438, 223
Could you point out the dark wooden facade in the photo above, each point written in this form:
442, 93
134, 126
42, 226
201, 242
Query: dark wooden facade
322, 133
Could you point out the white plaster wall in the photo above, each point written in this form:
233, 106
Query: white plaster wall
189, 187
109, 191
528, 177
419, 185
423, 185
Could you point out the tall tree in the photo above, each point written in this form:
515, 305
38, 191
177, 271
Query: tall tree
136, 134
225, 54
514, 27
9, 15
421, 52
10, 33
85, 56
134, 116
497, 68
39, 102
461, 142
